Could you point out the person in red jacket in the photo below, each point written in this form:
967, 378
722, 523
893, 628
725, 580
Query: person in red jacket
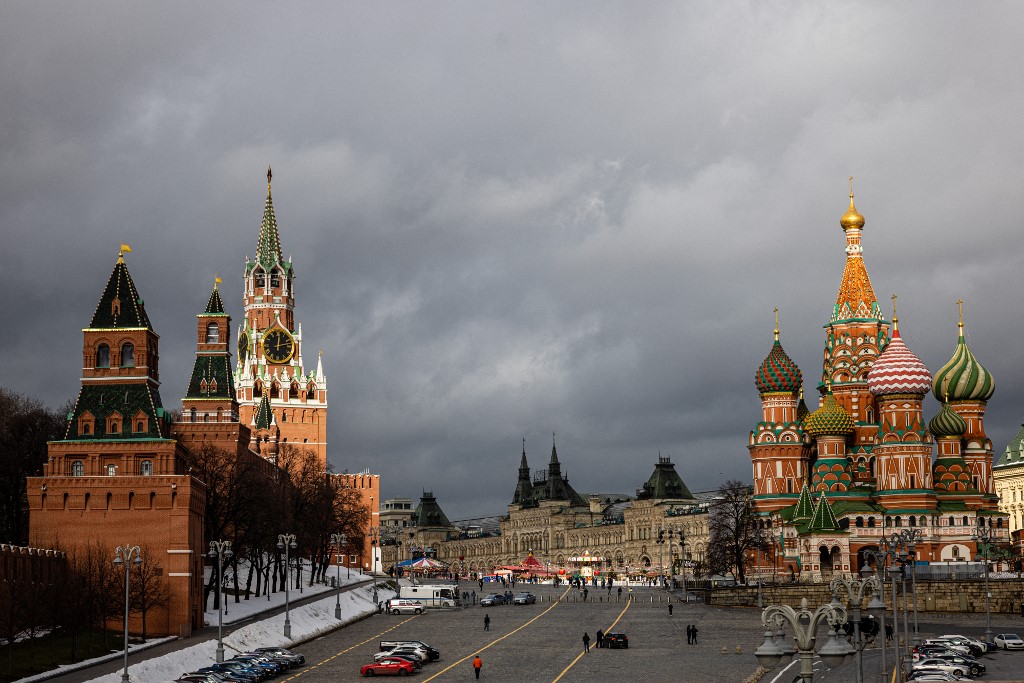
477, 665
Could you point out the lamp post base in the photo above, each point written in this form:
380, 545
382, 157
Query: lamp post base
287, 629
337, 612
220, 654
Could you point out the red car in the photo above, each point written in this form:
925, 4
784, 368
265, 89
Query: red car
388, 667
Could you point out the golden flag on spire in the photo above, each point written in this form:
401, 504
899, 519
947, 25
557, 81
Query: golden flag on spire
126, 248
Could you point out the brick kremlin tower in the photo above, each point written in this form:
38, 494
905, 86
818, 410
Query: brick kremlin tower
862, 462
270, 360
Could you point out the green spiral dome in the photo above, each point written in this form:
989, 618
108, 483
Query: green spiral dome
947, 423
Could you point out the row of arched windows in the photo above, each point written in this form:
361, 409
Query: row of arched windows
78, 469
127, 355
922, 520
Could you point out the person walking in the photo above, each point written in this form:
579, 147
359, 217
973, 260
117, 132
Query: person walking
586, 642
477, 665
599, 638
693, 633
474, 597
689, 634
619, 595
487, 622
670, 609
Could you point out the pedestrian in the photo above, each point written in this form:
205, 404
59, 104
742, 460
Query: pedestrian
477, 665
888, 632
487, 622
670, 609
586, 592
689, 634
586, 642
474, 597
619, 596
694, 633
599, 638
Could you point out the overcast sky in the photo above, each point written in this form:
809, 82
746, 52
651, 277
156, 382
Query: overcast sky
513, 219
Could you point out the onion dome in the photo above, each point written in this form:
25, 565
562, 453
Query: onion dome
778, 373
898, 370
852, 217
829, 420
947, 423
801, 409
963, 378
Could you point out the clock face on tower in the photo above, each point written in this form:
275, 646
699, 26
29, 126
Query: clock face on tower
243, 345
278, 346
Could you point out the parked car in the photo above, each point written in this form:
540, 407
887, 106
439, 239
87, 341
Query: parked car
229, 675
616, 640
978, 647
492, 599
962, 647
242, 667
416, 662
388, 667
272, 668
936, 676
392, 644
409, 652
934, 664
524, 599
293, 658
404, 606
1009, 641
974, 667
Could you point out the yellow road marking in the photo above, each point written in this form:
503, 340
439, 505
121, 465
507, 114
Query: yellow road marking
580, 655
349, 649
495, 642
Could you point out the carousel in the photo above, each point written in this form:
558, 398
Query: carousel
586, 566
424, 566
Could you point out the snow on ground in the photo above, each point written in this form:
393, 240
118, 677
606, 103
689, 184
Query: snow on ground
243, 609
308, 621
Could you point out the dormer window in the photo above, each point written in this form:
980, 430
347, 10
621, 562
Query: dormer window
85, 423
212, 333
103, 356
115, 307
114, 423
141, 421
127, 355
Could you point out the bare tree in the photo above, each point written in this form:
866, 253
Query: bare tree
733, 529
148, 587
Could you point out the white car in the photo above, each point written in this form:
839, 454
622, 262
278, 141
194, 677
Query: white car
933, 664
979, 644
1009, 641
414, 653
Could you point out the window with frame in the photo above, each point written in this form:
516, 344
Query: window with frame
111, 470
102, 356
78, 468
127, 355
146, 468
212, 333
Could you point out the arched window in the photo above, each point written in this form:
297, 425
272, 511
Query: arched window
261, 279
871, 522
212, 333
860, 522
999, 523
127, 355
899, 521
192, 415
913, 522
140, 426
146, 469
966, 522
952, 521
77, 469
111, 470
275, 278
86, 428
103, 356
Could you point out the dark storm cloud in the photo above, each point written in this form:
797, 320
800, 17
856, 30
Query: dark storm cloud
509, 220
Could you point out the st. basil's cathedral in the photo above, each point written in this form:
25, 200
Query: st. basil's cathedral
829, 484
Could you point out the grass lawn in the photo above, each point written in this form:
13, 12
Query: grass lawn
48, 651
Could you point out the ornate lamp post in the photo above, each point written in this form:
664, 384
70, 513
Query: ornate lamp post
910, 539
804, 623
374, 536
222, 551
286, 542
127, 555
983, 537
855, 594
338, 540
880, 557
682, 561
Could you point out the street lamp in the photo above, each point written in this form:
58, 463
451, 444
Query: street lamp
338, 540
127, 555
374, 536
880, 557
682, 557
661, 566
910, 538
222, 551
804, 623
284, 542
855, 598
983, 538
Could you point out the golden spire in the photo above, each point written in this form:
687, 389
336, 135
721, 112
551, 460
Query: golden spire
776, 323
269, 176
120, 253
960, 313
895, 319
852, 218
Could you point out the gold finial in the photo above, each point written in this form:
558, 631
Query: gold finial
960, 313
320, 353
776, 323
121, 252
851, 187
895, 318
216, 280
852, 218
269, 176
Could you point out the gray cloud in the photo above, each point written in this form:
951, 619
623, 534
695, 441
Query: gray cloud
513, 220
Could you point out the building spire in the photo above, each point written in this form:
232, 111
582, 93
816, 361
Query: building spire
895, 318
776, 323
268, 248
960, 314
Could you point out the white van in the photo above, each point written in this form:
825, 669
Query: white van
437, 595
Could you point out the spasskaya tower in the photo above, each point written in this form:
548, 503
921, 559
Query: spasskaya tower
281, 400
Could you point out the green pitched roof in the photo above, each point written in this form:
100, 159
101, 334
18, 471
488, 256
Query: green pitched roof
1014, 453
664, 482
215, 304
428, 513
824, 518
125, 399
120, 305
264, 414
216, 371
805, 506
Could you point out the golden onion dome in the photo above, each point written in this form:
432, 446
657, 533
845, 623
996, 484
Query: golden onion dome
852, 217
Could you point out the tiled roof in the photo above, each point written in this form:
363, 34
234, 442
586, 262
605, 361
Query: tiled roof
264, 417
805, 506
127, 400
824, 518
215, 304
665, 482
120, 305
1014, 453
211, 378
428, 513
778, 373
898, 370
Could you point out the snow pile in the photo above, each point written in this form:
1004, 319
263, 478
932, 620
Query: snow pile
307, 621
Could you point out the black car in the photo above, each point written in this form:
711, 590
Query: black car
244, 668
229, 675
272, 668
616, 640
